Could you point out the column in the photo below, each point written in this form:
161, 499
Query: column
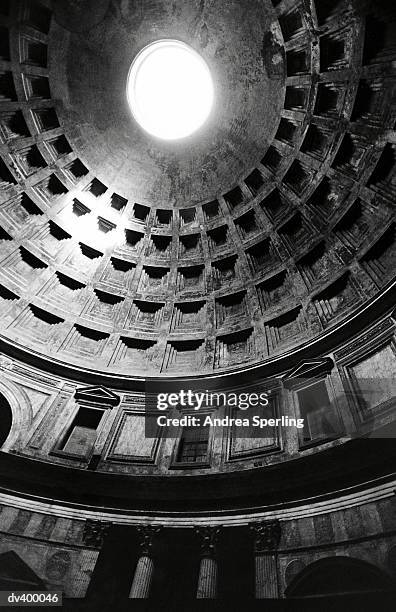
266, 539
145, 566
95, 532
207, 579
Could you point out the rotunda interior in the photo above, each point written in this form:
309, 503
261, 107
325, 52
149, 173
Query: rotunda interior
252, 251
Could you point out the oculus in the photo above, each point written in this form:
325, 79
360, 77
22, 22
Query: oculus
170, 90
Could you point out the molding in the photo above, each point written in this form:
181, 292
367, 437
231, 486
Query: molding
308, 508
366, 342
257, 452
323, 475
96, 396
308, 370
115, 434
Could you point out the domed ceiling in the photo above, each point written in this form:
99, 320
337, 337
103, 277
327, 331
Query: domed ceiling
91, 89
267, 228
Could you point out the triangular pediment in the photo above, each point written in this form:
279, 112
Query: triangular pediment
97, 395
12, 567
310, 368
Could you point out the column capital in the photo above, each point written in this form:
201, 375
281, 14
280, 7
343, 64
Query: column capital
95, 532
266, 536
146, 538
209, 537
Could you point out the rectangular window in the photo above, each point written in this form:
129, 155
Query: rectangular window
81, 436
374, 380
319, 414
193, 445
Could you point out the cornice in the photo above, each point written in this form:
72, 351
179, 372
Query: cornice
353, 466
373, 493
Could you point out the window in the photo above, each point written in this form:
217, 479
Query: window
319, 414
193, 445
80, 438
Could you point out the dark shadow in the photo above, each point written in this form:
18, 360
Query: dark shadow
338, 576
5, 420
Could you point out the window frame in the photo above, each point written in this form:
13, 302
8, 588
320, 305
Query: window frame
306, 384
175, 464
64, 435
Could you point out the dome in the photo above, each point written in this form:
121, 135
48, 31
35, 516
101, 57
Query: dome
265, 231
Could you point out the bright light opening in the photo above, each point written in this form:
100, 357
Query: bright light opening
170, 90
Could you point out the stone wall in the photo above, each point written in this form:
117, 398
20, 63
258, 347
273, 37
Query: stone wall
51, 546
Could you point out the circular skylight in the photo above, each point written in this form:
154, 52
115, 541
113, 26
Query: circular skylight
170, 90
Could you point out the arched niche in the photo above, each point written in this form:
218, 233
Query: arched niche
392, 560
5, 420
338, 576
21, 413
